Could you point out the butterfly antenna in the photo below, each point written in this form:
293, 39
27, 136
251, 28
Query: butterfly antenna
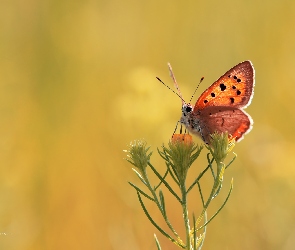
170, 89
196, 89
175, 82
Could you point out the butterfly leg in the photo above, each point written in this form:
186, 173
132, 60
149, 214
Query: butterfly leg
176, 128
180, 130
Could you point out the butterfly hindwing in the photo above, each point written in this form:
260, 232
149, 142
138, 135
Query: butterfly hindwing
223, 119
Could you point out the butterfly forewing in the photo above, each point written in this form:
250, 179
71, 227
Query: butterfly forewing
233, 89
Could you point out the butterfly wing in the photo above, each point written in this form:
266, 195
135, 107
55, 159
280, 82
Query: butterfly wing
234, 89
223, 119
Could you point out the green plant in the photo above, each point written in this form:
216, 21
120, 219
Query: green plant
179, 156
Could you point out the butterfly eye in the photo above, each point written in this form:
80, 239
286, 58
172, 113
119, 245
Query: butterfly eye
188, 109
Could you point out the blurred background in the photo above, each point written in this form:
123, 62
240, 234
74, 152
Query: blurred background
77, 84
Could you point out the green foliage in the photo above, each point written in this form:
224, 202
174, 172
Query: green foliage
179, 156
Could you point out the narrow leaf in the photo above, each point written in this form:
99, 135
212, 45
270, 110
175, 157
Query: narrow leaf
130, 162
197, 179
169, 162
142, 192
165, 183
164, 176
139, 176
195, 233
201, 194
231, 161
218, 190
172, 174
221, 207
163, 155
157, 242
162, 201
196, 154
210, 165
200, 243
156, 225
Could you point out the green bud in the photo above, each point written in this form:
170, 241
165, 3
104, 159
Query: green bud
138, 154
181, 153
220, 146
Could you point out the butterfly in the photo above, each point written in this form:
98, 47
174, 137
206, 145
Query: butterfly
220, 108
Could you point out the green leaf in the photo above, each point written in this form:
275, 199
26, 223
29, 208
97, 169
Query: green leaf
164, 176
210, 165
170, 164
163, 155
142, 192
139, 176
162, 201
172, 174
196, 154
155, 224
195, 233
221, 207
130, 162
233, 159
157, 242
165, 183
198, 178
201, 194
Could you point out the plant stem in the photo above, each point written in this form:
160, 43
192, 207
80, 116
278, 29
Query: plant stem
185, 215
156, 200
216, 185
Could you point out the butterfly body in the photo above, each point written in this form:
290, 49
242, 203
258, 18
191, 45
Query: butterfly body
220, 107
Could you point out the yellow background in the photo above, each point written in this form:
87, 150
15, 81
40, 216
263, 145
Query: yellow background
77, 84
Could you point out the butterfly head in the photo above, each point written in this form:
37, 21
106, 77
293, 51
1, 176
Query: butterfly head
187, 110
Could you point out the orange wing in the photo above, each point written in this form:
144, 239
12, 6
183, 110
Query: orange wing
224, 119
233, 89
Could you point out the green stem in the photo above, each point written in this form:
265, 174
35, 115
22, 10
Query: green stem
185, 216
216, 185
156, 200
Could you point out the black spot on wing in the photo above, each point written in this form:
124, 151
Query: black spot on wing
222, 87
